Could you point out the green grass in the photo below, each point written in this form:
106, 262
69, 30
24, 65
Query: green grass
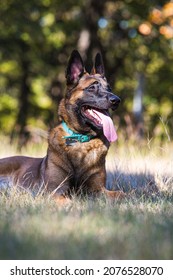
38, 229
140, 227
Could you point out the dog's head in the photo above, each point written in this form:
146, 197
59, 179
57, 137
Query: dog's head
88, 99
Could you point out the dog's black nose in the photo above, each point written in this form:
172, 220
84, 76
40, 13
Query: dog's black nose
114, 101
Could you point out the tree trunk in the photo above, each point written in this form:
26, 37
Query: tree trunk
94, 10
20, 128
138, 106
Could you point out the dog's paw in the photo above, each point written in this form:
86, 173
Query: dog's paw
62, 201
118, 195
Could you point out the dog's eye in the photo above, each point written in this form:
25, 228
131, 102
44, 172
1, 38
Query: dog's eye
93, 86
109, 89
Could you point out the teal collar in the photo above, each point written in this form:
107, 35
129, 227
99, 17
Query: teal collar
75, 137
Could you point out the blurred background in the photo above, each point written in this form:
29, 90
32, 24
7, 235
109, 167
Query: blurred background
135, 38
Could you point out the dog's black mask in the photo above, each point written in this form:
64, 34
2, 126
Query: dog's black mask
89, 96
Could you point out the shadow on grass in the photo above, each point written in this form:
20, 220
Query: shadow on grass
141, 184
153, 245
134, 229
125, 231
130, 181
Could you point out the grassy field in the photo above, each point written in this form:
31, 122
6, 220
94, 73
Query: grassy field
140, 227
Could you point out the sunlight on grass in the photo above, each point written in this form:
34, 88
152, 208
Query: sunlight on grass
139, 227
131, 167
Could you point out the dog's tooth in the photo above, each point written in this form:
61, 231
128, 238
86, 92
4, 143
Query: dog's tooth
90, 112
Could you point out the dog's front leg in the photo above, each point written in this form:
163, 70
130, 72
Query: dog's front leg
60, 193
58, 185
97, 186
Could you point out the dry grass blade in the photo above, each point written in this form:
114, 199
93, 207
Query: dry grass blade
35, 228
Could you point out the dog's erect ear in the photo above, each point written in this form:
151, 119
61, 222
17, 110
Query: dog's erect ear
75, 68
98, 66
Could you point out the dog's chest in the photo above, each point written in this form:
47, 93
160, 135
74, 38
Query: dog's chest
85, 155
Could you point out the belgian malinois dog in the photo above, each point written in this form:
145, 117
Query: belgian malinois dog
77, 146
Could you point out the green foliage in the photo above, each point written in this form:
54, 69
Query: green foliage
36, 38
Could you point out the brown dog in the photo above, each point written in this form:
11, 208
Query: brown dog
77, 147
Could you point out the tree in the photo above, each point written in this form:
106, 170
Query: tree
37, 37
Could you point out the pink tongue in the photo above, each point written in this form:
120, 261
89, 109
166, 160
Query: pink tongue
108, 126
